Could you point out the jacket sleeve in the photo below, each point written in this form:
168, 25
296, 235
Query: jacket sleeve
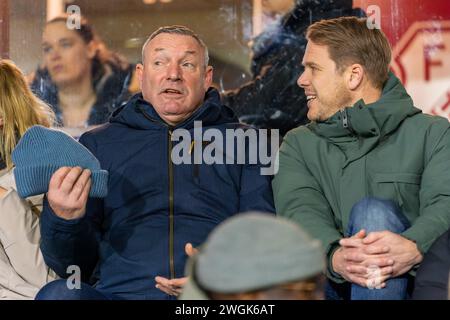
72, 242
433, 274
298, 196
19, 237
255, 192
434, 218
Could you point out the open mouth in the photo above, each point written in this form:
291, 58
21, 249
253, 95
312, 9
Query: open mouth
172, 91
310, 98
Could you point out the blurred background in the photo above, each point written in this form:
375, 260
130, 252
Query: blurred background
226, 26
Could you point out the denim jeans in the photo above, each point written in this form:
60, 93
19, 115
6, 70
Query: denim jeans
58, 290
373, 214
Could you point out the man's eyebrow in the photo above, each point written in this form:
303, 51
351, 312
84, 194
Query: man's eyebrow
310, 64
188, 52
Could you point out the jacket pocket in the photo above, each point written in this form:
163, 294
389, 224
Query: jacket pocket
405, 187
411, 178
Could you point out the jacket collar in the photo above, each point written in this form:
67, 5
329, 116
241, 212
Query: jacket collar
139, 113
368, 123
368, 120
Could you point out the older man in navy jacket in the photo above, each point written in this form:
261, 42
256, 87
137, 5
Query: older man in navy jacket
131, 244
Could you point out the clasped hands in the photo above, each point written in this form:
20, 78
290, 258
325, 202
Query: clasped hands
370, 260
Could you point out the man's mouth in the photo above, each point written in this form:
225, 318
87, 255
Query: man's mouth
172, 91
310, 98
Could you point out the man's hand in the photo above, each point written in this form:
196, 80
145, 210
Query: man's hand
3, 191
68, 192
358, 265
402, 251
174, 287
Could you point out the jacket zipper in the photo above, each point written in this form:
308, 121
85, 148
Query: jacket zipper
344, 118
346, 123
171, 217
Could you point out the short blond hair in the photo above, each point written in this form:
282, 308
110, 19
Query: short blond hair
20, 109
180, 30
350, 40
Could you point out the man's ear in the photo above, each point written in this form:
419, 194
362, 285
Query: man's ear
355, 76
208, 77
140, 73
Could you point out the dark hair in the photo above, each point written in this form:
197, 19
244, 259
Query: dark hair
103, 55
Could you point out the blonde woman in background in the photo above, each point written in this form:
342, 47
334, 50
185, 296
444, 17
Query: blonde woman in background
22, 268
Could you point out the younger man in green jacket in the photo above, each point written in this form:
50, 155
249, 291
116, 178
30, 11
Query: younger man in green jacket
370, 175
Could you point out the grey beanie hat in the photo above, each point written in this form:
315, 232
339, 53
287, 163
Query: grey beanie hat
41, 151
255, 250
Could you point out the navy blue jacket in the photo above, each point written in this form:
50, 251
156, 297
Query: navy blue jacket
153, 207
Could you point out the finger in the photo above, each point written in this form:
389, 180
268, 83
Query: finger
70, 179
190, 250
372, 237
171, 290
354, 256
165, 289
164, 284
375, 249
356, 269
358, 280
178, 282
351, 242
379, 262
80, 185
85, 194
58, 177
369, 272
162, 281
387, 271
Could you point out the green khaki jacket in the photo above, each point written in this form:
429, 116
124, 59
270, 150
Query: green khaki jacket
388, 149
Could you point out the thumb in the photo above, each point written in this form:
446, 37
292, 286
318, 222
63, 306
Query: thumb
190, 250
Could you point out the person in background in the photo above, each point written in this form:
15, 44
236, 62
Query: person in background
256, 256
432, 279
272, 100
22, 268
80, 77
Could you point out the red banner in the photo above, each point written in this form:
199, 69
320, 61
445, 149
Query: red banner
419, 33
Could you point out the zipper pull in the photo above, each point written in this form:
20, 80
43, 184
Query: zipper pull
344, 118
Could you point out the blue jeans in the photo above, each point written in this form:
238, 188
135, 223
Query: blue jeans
373, 214
58, 290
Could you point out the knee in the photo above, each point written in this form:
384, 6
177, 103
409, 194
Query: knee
374, 214
56, 290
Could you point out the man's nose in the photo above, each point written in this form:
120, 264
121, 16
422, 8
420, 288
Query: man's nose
302, 80
173, 72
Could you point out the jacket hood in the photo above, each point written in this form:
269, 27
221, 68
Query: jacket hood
140, 114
